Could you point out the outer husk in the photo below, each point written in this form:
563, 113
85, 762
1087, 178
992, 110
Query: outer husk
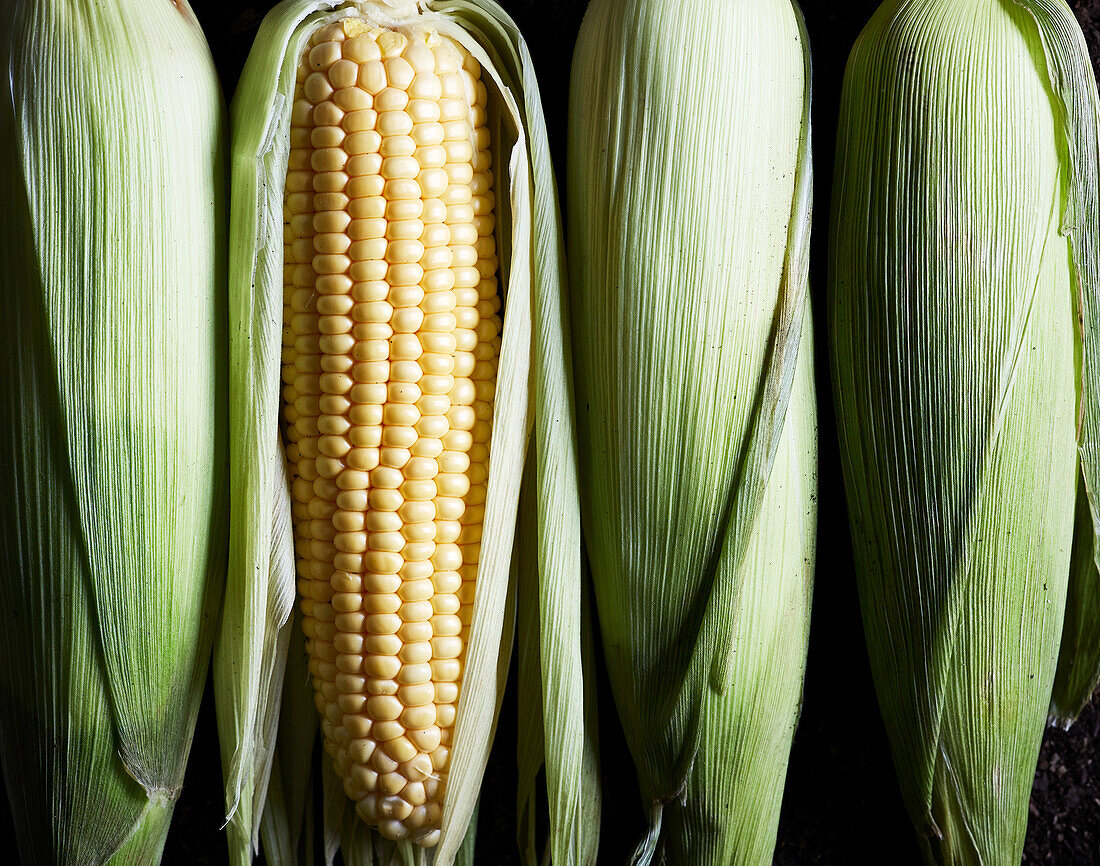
1079, 654
112, 416
533, 396
963, 250
689, 206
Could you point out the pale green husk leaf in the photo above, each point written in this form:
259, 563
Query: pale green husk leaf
532, 703
533, 391
112, 417
553, 578
1079, 653
531, 746
1070, 69
286, 813
689, 225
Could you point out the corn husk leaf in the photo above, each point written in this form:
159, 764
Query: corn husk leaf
261, 587
1070, 70
1079, 654
532, 745
112, 424
554, 669
540, 672
957, 387
695, 399
282, 826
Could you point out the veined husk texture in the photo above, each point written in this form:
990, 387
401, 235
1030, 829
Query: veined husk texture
532, 426
689, 185
963, 252
112, 416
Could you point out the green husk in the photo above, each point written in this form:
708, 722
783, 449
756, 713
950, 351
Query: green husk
1079, 654
112, 417
963, 252
283, 826
1069, 66
689, 205
533, 395
146, 843
536, 678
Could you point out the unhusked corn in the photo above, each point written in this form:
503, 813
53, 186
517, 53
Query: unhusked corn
390, 344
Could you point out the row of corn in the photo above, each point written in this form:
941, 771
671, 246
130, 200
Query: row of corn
339, 410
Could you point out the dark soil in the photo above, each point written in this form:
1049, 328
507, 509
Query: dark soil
841, 804
1065, 799
1088, 14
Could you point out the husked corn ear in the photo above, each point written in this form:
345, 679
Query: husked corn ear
390, 346
395, 217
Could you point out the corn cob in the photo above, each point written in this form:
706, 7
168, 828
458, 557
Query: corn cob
689, 220
391, 339
964, 247
419, 226
112, 417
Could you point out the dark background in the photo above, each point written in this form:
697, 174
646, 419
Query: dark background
841, 804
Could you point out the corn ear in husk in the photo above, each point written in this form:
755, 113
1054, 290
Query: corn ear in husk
964, 322
112, 417
533, 402
689, 218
